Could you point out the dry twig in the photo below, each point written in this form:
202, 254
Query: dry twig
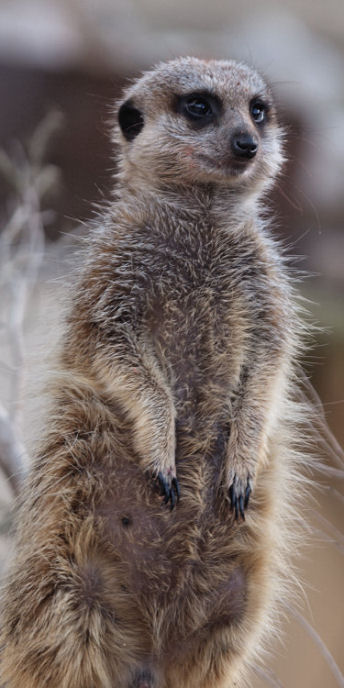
22, 245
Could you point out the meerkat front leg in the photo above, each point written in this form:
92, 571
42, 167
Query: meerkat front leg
252, 418
132, 377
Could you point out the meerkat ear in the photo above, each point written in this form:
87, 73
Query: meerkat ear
130, 120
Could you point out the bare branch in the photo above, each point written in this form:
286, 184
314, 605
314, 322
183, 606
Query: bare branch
22, 248
13, 455
321, 645
337, 537
268, 676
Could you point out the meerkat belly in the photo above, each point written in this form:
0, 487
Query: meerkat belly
171, 557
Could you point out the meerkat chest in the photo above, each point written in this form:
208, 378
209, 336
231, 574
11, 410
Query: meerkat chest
199, 310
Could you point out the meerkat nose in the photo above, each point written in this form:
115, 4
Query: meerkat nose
244, 145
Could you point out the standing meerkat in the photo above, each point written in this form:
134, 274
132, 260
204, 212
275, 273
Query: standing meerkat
155, 520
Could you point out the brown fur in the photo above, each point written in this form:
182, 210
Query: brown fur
177, 360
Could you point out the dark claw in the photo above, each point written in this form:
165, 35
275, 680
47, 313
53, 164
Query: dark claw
230, 492
247, 495
163, 484
241, 507
175, 486
238, 501
170, 494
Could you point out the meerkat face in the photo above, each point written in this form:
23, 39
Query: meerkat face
196, 121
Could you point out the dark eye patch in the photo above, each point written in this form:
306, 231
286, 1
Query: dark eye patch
130, 120
199, 108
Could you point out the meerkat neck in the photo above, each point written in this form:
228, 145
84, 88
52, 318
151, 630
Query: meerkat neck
222, 203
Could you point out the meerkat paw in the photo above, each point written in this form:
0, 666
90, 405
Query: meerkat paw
239, 491
169, 487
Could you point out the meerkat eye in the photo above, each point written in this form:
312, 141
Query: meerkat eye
199, 108
258, 111
196, 107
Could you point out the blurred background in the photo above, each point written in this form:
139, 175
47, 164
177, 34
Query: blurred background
62, 65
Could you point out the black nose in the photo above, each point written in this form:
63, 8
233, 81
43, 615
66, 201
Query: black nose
244, 146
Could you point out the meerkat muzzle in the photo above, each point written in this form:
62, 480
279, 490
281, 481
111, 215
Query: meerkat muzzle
244, 145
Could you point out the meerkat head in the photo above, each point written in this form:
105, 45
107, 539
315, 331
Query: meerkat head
200, 122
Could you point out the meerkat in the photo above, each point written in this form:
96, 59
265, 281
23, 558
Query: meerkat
153, 530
